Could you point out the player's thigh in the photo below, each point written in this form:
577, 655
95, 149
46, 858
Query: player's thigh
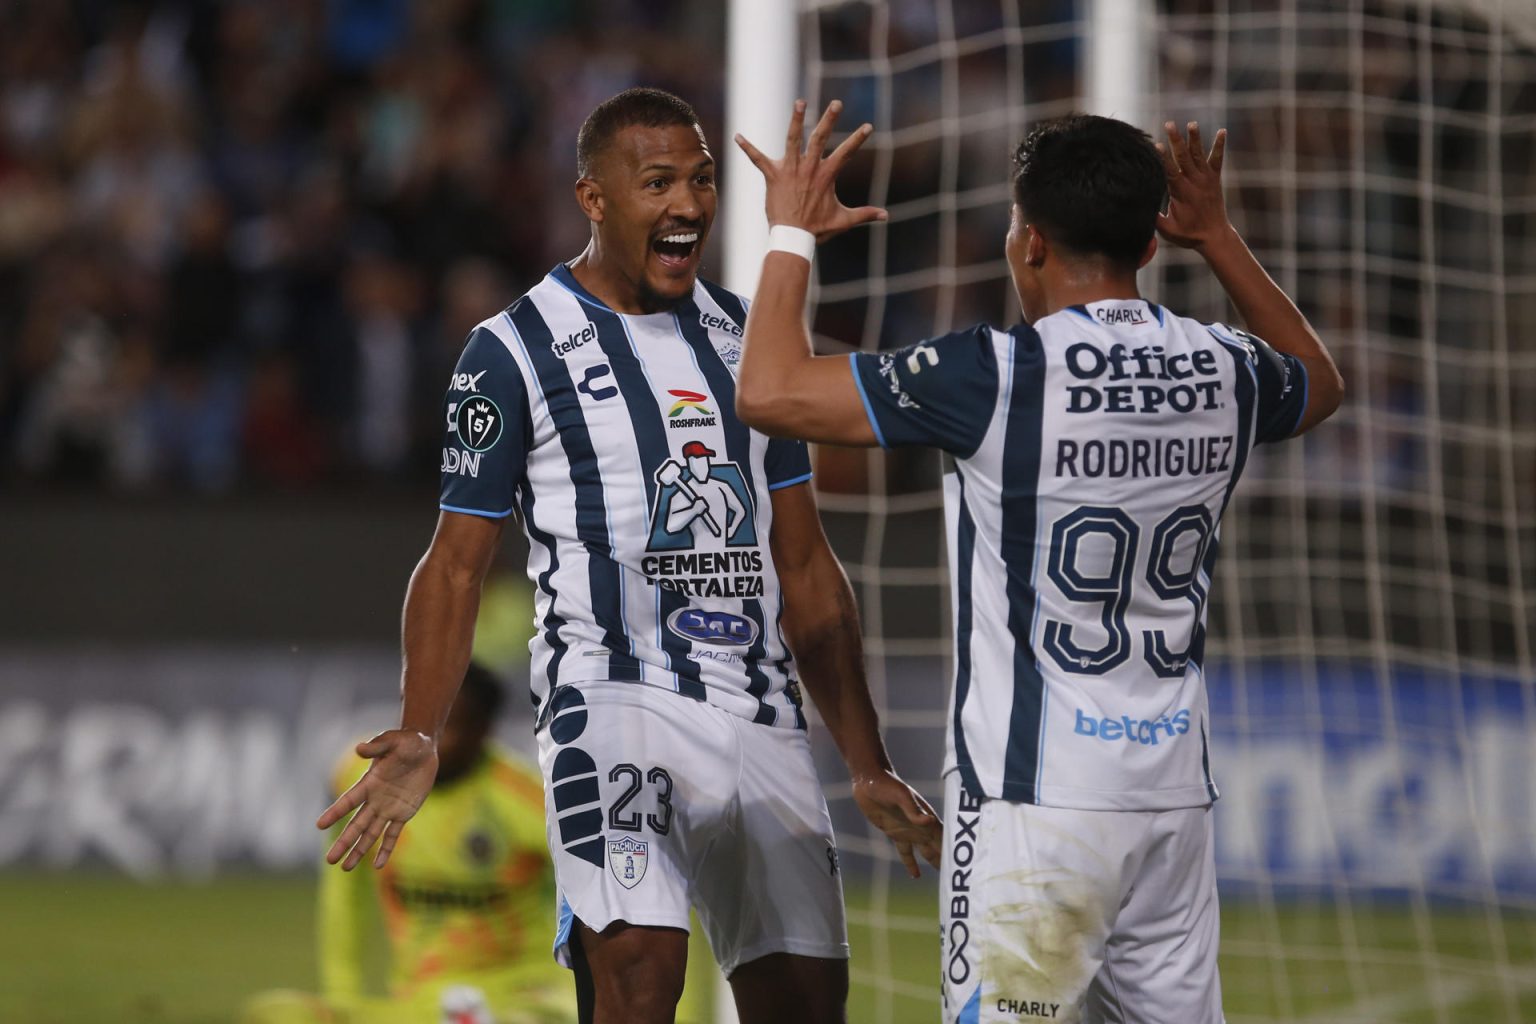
785, 987
637, 780
1028, 897
773, 884
1160, 963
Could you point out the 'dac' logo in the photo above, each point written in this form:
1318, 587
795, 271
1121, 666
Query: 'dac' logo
701, 502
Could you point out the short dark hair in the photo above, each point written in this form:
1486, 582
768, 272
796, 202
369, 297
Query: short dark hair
483, 691
1092, 185
646, 108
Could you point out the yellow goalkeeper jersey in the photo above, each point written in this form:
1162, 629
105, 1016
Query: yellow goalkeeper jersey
467, 897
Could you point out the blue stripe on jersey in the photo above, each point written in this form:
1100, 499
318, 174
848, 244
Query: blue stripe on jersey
802, 478
1025, 403
592, 529
738, 448
475, 511
651, 439
552, 621
729, 302
965, 553
869, 410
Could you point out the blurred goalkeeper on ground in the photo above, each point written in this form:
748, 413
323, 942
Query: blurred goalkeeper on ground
1094, 450
465, 900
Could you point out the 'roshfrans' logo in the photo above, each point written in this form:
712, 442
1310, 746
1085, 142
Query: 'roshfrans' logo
627, 860
478, 423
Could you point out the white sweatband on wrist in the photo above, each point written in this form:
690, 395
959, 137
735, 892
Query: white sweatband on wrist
786, 238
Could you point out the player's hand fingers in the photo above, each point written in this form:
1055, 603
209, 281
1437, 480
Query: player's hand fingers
340, 808
931, 853
823, 131
866, 214
1218, 151
1196, 147
904, 851
754, 154
387, 843
364, 843
1178, 147
919, 811
848, 147
1170, 168
349, 835
376, 747
796, 132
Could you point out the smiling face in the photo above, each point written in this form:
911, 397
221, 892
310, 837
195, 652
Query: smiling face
651, 199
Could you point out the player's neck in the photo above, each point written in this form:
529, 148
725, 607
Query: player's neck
604, 280
1082, 288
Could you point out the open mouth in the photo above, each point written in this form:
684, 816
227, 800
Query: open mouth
676, 249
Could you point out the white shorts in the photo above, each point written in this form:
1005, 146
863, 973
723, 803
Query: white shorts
1062, 915
656, 802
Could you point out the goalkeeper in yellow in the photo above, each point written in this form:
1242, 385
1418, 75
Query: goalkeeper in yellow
467, 901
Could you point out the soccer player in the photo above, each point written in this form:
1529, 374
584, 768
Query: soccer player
463, 899
1095, 448
673, 635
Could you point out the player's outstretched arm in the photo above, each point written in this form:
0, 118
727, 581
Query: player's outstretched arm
437, 634
783, 388
821, 623
1197, 219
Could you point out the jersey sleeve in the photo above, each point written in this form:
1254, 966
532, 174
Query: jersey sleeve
486, 414
1282, 389
787, 463
940, 392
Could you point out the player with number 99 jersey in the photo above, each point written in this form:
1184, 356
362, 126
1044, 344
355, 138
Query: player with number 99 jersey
1094, 454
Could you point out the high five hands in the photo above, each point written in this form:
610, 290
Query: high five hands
802, 185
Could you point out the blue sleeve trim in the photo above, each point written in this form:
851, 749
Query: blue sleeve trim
1082, 311
475, 512
802, 478
869, 410
1306, 389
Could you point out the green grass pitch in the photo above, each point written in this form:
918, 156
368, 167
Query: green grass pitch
81, 949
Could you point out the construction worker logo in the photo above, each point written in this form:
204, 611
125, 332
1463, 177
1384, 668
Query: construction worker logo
701, 503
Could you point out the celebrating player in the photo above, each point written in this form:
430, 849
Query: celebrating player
1095, 449
685, 588
462, 898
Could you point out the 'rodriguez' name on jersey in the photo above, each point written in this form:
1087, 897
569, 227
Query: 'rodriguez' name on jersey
645, 502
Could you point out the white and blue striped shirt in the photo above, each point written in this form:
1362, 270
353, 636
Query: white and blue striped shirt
1094, 456
646, 502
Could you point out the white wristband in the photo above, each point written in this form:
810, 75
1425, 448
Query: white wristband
786, 238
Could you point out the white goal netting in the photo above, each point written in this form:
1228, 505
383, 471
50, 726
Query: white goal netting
1372, 667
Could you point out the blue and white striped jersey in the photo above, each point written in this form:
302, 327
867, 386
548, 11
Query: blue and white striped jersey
645, 501
1095, 454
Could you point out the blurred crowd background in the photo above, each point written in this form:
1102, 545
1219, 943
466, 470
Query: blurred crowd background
241, 243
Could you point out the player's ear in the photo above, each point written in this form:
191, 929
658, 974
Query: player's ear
1035, 247
589, 196
1146, 257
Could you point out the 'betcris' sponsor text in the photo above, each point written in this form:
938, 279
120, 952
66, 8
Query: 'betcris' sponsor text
1131, 730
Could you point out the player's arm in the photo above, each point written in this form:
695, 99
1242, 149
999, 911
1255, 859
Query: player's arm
783, 389
1197, 219
821, 623
488, 428
437, 634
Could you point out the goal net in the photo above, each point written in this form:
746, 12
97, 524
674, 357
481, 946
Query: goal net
1371, 664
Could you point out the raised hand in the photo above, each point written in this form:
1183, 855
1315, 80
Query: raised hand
899, 811
802, 186
399, 779
1197, 213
